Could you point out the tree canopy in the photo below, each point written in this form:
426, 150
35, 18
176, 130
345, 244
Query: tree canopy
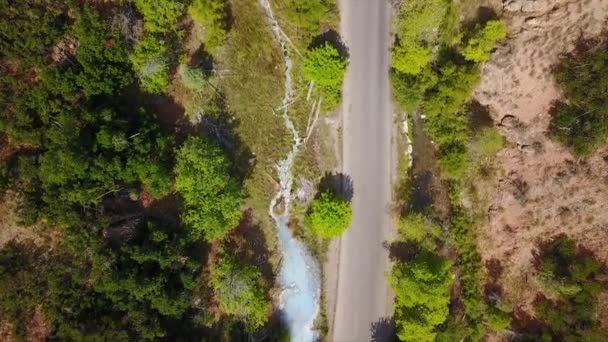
330, 215
240, 292
326, 67
212, 198
422, 295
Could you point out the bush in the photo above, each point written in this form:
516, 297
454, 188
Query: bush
212, 16
192, 78
240, 293
411, 59
488, 142
151, 63
483, 40
212, 197
326, 68
330, 215
160, 16
422, 296
417, 228
581, 122
307, 16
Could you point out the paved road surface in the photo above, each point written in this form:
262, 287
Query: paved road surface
363, 296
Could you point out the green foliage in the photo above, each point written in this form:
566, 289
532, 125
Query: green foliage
422, 296
411, 59
417, 228
499, 320
326, 68
419, 21
212, 15
151, 63
574, 277
488, 142
483, 40
212, 197
192, 78
330, 215
307, 16
463, 232
29, 28
240, 292
581, 122
160, 16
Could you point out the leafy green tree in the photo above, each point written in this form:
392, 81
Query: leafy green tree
151, 63
160, 16
422, 296
326, 68
330, 215
417, 228
419, 21
240, 292
212, 197
480, 45
212, 16
411, 59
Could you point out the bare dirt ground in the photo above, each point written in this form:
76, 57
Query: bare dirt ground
540, 189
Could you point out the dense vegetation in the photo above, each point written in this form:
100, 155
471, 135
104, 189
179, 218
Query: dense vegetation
78, 90
330, 215
435, 67
572, 279
580, 121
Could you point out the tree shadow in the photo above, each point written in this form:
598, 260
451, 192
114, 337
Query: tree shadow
333, 38
222, 129
484, 14
339, 184
248, 243
383, 330
202, 59
403, 251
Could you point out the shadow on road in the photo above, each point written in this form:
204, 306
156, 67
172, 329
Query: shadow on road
338, 183
383, 330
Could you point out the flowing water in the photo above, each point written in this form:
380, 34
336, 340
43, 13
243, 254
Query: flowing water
299, 273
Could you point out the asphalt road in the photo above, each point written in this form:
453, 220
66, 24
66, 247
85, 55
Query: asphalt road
363, 297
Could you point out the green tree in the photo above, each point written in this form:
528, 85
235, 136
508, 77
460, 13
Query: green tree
330, 215
151, 63
240, 292
417, 228
483, 40
192, 78
308, 15
326, 68
422, 296
212, 197
160, 16
411, 59
212, 16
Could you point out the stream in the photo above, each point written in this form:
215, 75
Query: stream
299, 274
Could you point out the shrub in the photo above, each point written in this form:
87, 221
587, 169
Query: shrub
151, 63
411, 59
581, 122
417, 228
422, 296
307, 16
499, 320
240, 293
212, 15
192, 78
488, 142
483, 40
330, 215
326, 68
212, 197
160, 16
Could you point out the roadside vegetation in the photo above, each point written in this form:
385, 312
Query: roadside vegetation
435, 68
